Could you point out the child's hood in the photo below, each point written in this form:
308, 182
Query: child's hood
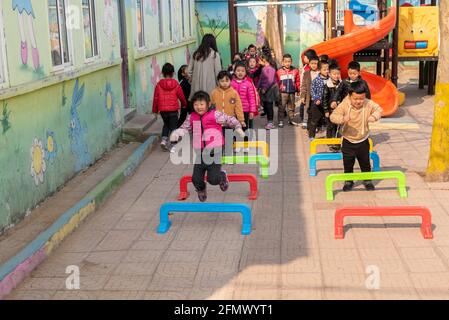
168, 84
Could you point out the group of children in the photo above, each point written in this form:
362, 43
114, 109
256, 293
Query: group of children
253, 81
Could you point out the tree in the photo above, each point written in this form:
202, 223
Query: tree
275, 29
438, 167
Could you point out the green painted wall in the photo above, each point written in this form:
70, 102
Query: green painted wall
54, 124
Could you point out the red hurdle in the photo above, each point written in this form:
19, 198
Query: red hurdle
426, 225
250, 178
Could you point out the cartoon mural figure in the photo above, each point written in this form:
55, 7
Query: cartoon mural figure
51, 148
156, 69
77, 131
109, 101
108, 21
26, 16
38, 165
6, 124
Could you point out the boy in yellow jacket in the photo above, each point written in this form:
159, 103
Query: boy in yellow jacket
354, 115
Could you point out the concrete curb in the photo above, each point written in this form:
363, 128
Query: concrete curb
23, 263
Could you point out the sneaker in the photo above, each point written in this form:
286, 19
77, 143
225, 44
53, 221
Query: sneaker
348, 186
172, 149
202, 195
304, 125
164, 143
270, 126
281, 124
369, 186
224, 184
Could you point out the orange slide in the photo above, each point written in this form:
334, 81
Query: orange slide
358, 38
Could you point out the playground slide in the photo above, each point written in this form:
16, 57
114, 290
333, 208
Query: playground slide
358, 38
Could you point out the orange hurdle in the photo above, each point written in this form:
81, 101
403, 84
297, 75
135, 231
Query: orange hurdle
426, 225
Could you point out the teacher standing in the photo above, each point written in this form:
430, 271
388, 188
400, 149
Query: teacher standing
205, 66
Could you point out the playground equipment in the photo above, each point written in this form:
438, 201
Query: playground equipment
251, 179
254, 144
426, 225
262, 161
166, 208
332, 141
356, 39
338, 156
400, 176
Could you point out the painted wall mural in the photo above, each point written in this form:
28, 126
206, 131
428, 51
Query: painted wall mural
6, 124
38, 164
108, 22
26, 18
51, 147
78, 131
304, 26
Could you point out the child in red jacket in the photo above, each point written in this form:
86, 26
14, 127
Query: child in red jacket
166, 96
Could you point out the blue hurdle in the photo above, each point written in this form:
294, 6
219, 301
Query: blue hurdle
165, 222
339, 156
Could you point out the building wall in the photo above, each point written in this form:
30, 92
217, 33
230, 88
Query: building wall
56, 122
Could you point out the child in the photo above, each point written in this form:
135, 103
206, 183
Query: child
254, 70
329, 91
186, 89
317, 93
354, 76
269, 90
165, 101
306, 87
205, 122
245, 88
354, 115
289, 86
227, 100
252, 53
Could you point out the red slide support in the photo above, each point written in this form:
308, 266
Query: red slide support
426, 225
250, 178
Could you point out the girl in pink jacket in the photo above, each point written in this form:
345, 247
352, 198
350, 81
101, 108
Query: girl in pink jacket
247, 92
205, 124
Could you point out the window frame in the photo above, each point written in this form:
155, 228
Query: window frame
92, 7
171, 33
191, 12
142, 21
64, 65
183, 12
4, 75
161, 21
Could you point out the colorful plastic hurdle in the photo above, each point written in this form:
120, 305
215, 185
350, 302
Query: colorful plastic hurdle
331, 141
253, 144
166, 208
338, 156
250, 178
426, 225
262, 161
400, 176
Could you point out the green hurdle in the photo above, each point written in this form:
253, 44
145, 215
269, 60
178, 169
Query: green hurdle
382, 175
261, 160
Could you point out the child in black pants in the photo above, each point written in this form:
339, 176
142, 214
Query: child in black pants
330, 89
167, 95
317, 93
354, 115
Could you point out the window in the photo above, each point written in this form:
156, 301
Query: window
58, 32
2, 52
140, 23
90, 29
170, 21
161, 22
183, 13
190, 17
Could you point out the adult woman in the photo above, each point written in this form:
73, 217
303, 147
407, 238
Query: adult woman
205, 66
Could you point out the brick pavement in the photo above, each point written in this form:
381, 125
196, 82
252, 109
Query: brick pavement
291, 253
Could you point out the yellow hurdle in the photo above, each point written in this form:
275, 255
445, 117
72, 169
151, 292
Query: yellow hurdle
253, 144
331, 141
